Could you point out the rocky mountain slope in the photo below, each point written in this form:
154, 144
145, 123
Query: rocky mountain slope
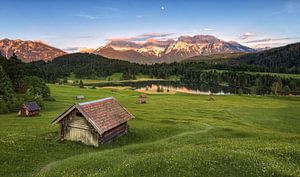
154, 51
29, 51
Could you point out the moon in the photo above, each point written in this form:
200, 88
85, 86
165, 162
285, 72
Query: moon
162, 8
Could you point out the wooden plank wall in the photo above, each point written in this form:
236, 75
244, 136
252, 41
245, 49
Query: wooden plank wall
78, 129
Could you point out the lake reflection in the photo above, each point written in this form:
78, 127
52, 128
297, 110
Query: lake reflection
183, 89
175, 86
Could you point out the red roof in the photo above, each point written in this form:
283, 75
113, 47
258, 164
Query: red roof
103, 114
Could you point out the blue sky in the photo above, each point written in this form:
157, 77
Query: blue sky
74, 24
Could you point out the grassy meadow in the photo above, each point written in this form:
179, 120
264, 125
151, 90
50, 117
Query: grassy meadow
171, 135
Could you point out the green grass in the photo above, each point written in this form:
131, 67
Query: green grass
172, 135
113, 77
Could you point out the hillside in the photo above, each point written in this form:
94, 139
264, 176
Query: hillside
284, 59
287, 56
216, 58
233, 136
29, 51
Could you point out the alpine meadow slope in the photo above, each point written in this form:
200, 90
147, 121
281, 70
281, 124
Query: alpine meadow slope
232, 136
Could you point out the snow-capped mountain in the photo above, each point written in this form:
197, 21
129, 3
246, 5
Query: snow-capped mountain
29, 51
153, 51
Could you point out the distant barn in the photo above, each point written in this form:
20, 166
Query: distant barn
29, 109
80, 97
94, 122
142, 99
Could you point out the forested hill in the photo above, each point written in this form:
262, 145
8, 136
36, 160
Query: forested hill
282, 59
83, 65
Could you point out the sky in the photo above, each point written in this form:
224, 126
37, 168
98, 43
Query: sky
74, 25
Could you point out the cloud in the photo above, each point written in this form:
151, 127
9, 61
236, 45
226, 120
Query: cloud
271, 42
86, 16
86, 50
71, 49
141, 37
208, 29
246, 35
78, 49
271, 45
268, 40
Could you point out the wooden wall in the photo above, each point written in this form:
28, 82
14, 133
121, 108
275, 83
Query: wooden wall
76, 128
113, 133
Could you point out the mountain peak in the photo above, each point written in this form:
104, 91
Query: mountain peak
28, 51
199, 39
170, 50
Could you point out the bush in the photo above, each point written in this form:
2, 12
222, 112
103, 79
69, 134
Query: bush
81, 84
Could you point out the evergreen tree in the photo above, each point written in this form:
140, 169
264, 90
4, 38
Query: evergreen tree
38, 87
15, 71
286, 90
5, 84
3, 106
8, 99
81, 84
240, 91
65, 81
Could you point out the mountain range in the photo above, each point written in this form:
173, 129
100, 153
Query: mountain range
151, 51
155, 51
29, 51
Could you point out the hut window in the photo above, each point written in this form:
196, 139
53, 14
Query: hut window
79, 114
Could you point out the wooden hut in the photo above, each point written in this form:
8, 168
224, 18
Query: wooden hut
29, 109
94, 122
80, 97
142, 99
211, 97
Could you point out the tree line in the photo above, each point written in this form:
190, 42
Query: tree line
245, 83
16, 87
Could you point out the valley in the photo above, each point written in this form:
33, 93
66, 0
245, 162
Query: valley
160, 88
232, 136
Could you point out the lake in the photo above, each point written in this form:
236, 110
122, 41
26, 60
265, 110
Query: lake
174, 86
181, 89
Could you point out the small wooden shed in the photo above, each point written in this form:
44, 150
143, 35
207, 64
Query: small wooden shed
95, 122
211, 97
29, 109
80, 97
142, 99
